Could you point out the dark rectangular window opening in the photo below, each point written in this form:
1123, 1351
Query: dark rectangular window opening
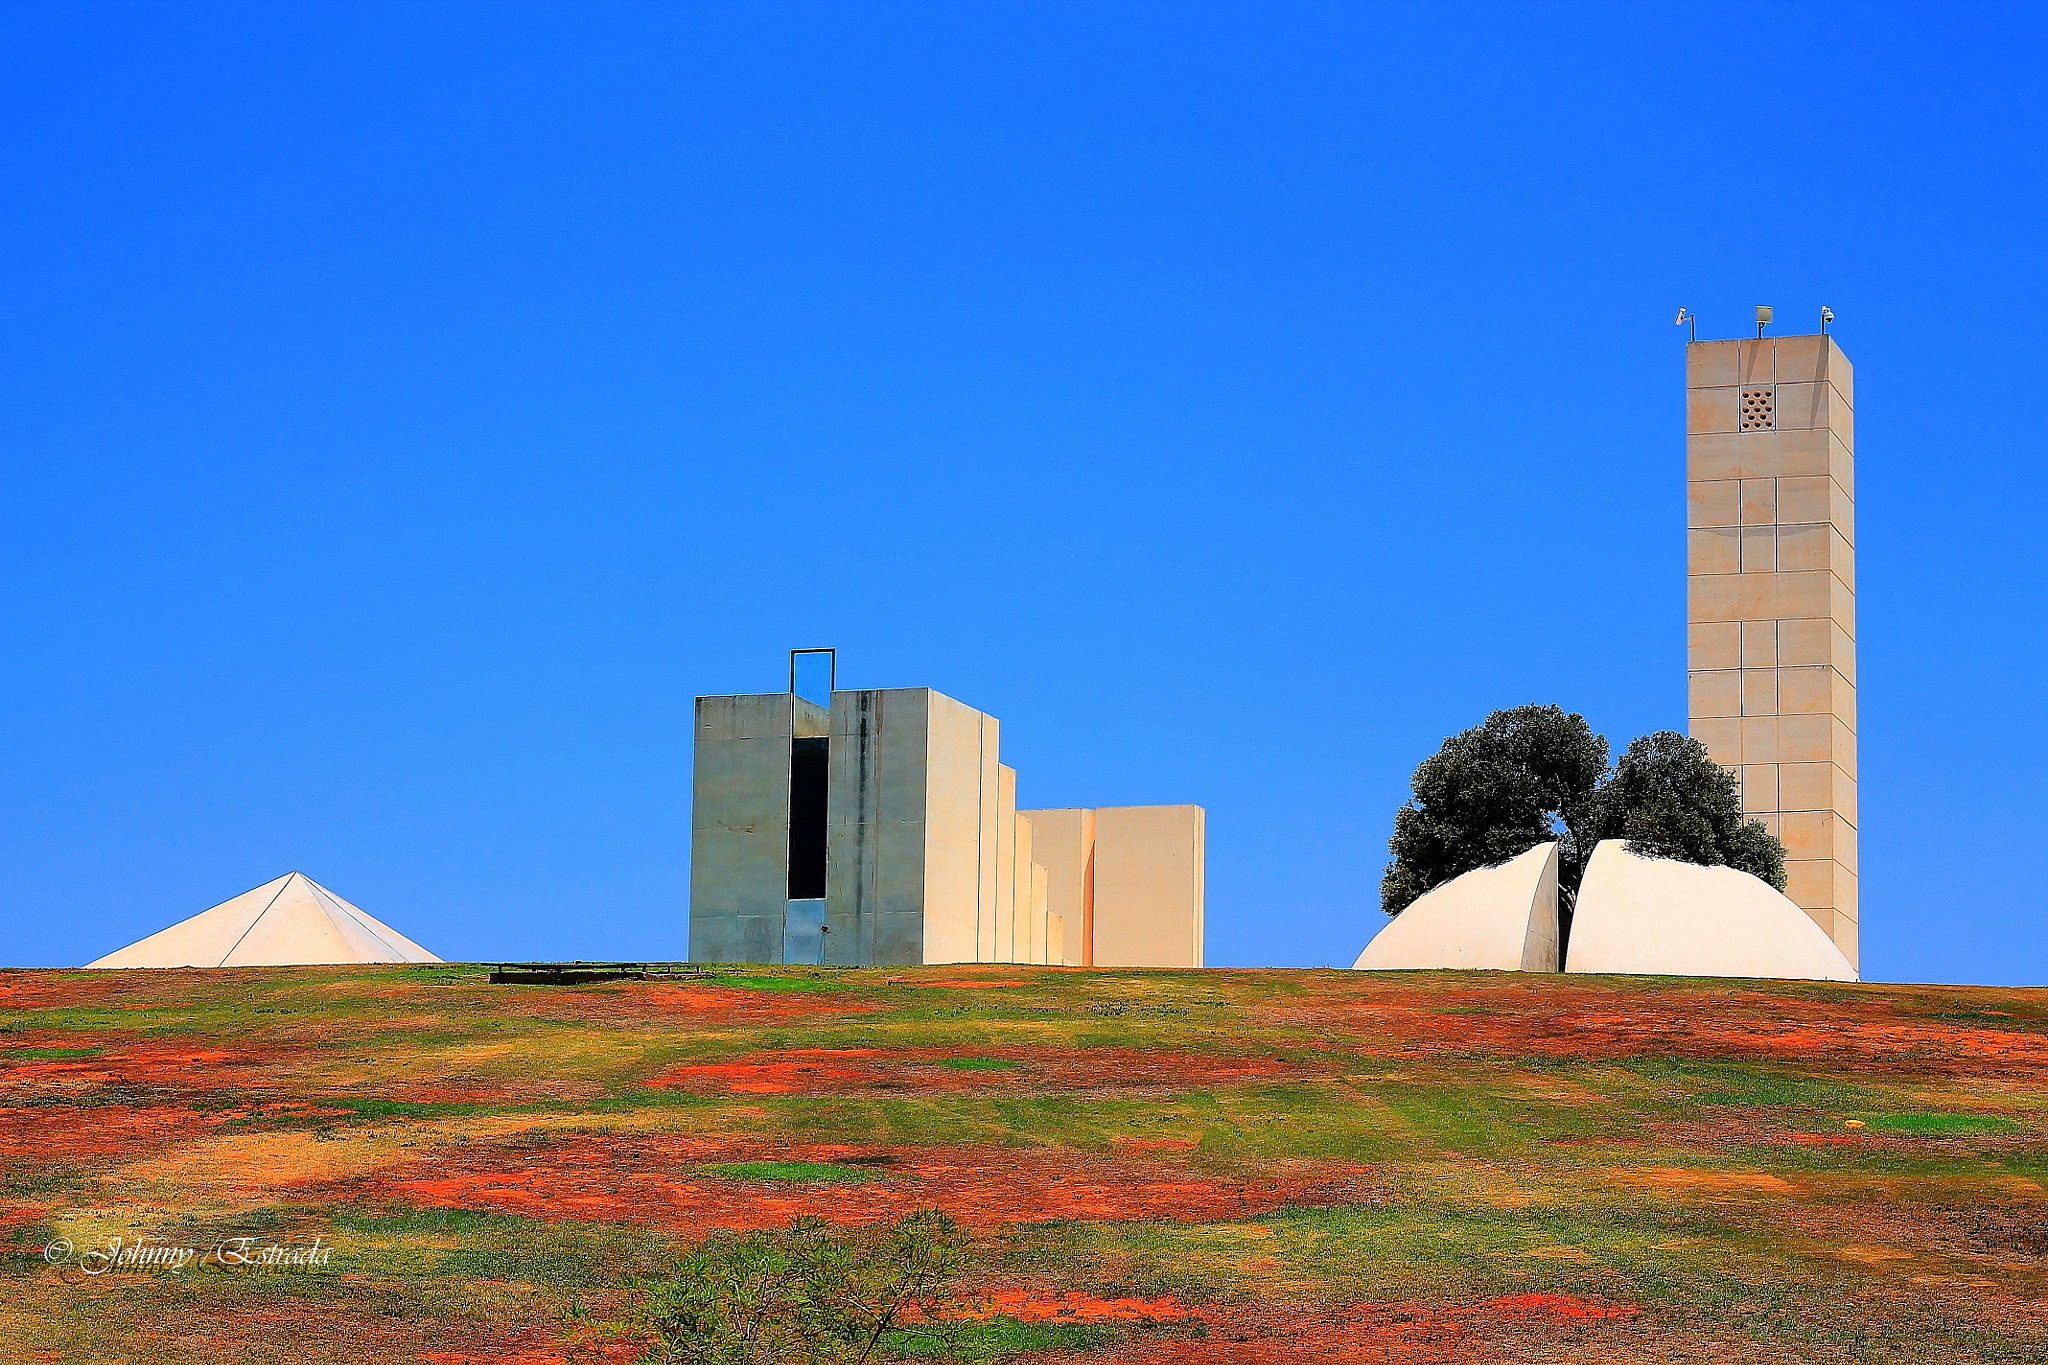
807, 772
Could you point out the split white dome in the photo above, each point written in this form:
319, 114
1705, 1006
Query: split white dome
1635, 915
293, 921
1501, 918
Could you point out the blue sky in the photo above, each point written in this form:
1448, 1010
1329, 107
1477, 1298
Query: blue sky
405, 410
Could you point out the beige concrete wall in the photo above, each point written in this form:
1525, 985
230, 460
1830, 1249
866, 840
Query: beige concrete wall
1041, 921
1149, 886
959, 762
1001, 943
739, 827
1056, 939
993, 815
1063, 842
1024, 934
1771, 599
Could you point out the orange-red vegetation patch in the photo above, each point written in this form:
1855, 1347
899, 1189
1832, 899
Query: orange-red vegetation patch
50, 990
659, 1181
299, 1109
143, 1063
56, 1134
468, 1093
825, 1071
1583, 1022
1029, 1307
13, 1216
531, 1353
1557, 1306
663, 1002
809, 1069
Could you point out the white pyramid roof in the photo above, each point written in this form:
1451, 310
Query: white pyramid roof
293, 921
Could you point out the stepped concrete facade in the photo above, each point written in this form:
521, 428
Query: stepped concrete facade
1771, 599
1144, 864
883, 829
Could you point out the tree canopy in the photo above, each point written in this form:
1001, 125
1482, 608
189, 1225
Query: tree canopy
1669, 799
1531, 774
1490, 793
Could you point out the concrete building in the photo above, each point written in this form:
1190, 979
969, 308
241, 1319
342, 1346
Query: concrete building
1771, 600
883, 829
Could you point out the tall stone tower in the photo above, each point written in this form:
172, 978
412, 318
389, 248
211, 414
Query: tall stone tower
1771, 598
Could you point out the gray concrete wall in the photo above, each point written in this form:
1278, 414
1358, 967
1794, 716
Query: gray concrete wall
875, 864
739, 828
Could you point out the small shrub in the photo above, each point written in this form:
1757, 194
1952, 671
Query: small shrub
810, 1296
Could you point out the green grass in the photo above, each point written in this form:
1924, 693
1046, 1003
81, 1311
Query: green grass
788, 983
1942, 1125
799, 1172
1669, 1167
998, 1339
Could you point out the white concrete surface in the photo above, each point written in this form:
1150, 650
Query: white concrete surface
291, 922
1660, 917
1500, 918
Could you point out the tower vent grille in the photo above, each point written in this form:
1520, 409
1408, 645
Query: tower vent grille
1758, 409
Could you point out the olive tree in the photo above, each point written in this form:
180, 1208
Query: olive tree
1492, 792
1535, 773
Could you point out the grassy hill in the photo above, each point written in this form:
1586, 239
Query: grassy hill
1154, 1166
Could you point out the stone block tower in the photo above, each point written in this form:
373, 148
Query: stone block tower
1771, 598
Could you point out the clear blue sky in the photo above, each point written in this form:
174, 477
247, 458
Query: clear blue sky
405, 410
